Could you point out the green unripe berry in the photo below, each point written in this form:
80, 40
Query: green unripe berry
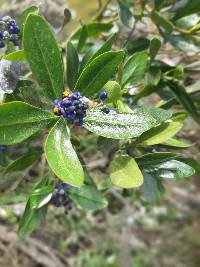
113, 90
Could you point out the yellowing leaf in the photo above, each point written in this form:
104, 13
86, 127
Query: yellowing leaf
125, 173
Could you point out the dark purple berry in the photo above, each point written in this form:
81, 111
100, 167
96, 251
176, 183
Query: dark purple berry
106, 110
66, 102
103, 95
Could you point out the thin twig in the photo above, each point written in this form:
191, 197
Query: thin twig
101, 11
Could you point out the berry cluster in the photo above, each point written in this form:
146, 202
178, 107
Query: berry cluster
9, 31
73, 107
60, 197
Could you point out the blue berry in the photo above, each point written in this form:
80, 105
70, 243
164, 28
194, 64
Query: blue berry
60, 197
103, 95
56, 102
9, 30
72, 108
16, 29
66, 102
106, 110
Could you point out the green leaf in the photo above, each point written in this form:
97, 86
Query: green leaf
174, 142
162, 22
125, 173
83, 37
61, 156
19, 120
159, 134
105, 47
158, 3
172, 169
88, 197
43, 55
184, 99
125, 13
160, 115
152, 188
118, 125
72, 65
165, 165
36, 208
94, 28
185, 7
26, 13
153, 76
67, 16
185, 43
95, 75
17, 56
139, 44
151, 159
113, 90
23, 162
134, 68
155, 45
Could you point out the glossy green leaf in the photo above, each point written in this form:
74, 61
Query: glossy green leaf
36, 208
184, 99
72, 65
165, 165
152, 188
185, 7
95, 75
26, 13
155, 45
159, 134
187, 22
134, 68
61, 156
172, 169
43, 55
162, 22
125, 173
118, 125
88, 197
19, 120
23, 162
17, 56
105, 47
83, 37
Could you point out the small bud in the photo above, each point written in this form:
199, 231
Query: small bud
65, 94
